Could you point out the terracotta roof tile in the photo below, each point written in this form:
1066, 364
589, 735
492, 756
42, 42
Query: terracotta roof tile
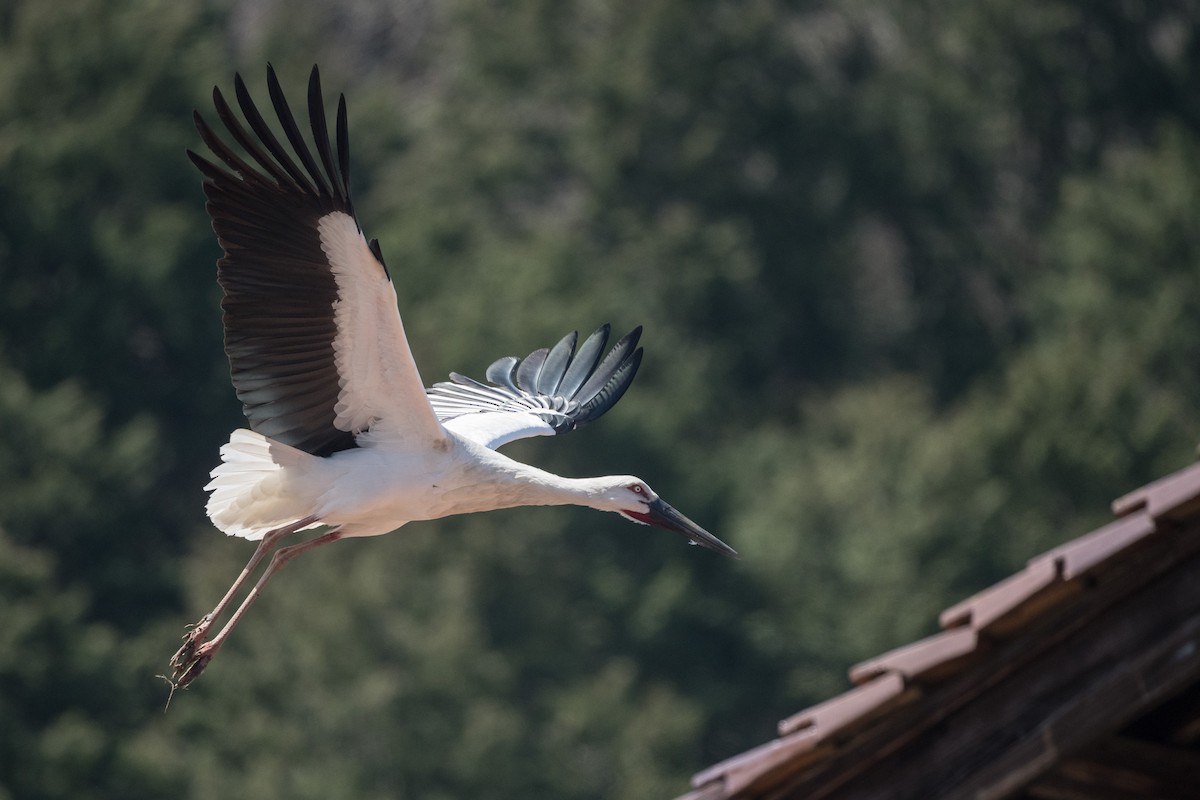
989, 608
847, 709
930, 658
1079, 556
736, 773
1171, 497
709, 791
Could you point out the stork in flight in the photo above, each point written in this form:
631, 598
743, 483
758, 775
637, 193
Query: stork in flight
342, 433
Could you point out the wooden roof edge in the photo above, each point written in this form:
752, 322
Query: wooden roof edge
1003, 609
1048, 578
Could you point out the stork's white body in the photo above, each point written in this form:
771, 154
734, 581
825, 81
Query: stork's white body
343, 433
262, 485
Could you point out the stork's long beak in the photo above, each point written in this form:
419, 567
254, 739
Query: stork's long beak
665, 516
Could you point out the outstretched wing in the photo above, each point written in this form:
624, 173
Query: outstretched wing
549, 391
316, 348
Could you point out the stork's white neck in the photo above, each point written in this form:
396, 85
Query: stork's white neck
530, 486
501, 482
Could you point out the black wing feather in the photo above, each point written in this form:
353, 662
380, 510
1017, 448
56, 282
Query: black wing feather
567, 389
529, 369
247, 142
501, 373
263, 131
585, 361
278, 307
343, 143
614, 387
292, 131
556, 364
316, 120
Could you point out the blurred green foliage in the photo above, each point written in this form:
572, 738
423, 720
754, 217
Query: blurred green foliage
920, 285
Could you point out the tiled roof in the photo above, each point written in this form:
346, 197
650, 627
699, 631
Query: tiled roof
1022, 674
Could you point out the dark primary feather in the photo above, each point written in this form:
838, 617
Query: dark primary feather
279, 291
567, 389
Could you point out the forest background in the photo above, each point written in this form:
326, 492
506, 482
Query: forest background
921, 288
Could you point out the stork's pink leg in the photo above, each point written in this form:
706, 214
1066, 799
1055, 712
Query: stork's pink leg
199, 632
189, 668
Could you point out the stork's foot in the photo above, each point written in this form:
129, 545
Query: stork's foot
191, 640
190, 661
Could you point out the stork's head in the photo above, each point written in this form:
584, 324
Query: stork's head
634, 500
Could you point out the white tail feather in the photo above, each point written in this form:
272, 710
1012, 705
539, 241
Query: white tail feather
251, 486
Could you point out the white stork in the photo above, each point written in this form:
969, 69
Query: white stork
343, 434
